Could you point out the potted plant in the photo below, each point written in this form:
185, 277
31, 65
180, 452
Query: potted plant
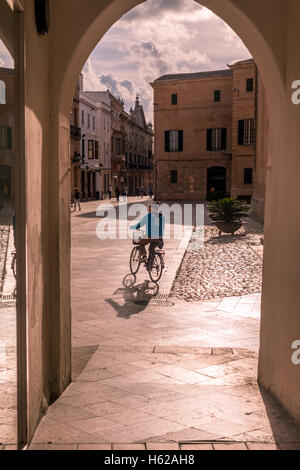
228, 213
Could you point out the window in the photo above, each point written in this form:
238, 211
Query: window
174, 141
246, 132
249, 84
5, 137
82, 118
217, 96
91, 146
94, 122
89, 120
2, 92
118, 146
174, 99
173, 176
96, 150
248, 175
216, 139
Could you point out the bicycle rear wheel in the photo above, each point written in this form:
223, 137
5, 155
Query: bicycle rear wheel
156, 267
135, 260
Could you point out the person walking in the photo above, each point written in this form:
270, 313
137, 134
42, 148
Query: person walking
118, 193
76, 199
109, 191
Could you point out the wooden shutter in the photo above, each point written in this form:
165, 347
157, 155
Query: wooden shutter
209, 140
224, 139
241, 132
167, 141
180, 141
9, 137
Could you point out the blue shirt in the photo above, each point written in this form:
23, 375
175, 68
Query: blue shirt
154, 223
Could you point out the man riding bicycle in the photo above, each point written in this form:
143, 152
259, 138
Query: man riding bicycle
154, 222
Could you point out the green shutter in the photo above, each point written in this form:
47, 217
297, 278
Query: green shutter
167, 141
241, 132
9, 137
224, 139
209, 140
180, 141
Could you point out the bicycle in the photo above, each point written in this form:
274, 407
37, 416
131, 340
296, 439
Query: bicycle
155, 263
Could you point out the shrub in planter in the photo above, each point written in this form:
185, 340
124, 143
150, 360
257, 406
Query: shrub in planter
228, 214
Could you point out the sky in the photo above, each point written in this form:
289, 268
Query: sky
156, 38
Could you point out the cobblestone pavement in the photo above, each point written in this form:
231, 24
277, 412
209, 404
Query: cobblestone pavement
227, 265
156, 374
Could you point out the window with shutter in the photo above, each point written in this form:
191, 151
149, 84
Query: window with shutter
248, 175
249, 84
173, 176
173, 141
241, 132
5, 137
91, 149
217, 96
209, 140
174, 99
224, 139
216, 139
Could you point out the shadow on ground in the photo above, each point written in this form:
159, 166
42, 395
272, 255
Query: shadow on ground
133, 298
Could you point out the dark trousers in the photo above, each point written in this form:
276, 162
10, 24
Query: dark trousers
153, 242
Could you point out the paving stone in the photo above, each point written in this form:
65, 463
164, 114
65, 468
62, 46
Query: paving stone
128, 447
94, 447
53, 447
162, 446
261, 446
196, 447
231, 446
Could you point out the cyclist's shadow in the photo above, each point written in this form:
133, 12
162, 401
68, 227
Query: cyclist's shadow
134, 297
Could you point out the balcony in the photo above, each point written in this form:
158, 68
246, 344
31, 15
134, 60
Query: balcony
75, 132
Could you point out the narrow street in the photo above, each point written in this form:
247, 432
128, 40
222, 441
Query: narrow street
157, 372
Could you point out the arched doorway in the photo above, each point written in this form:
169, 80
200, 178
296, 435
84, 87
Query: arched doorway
216, 182
47, 167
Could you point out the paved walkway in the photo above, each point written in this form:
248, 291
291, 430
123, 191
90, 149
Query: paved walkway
157, 373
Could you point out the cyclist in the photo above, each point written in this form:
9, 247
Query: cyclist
154, 222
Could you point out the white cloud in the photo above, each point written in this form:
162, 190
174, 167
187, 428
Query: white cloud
6, 59
160, 37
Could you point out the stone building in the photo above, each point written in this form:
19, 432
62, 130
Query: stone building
7, 163
102, 99
131, 144
90, 121
138, 149
205, 139
75, 140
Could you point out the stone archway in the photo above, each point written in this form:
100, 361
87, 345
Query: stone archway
45, 103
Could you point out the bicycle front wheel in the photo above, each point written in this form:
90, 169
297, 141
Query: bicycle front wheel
135, 260
156, 267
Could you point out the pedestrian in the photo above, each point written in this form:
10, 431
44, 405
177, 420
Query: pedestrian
117, 193
150, 192
76, 199
109, 191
